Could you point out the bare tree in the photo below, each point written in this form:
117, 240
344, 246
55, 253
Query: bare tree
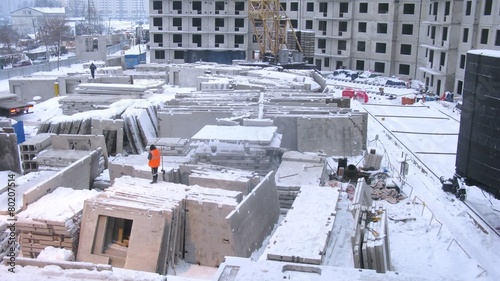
8, 36
52, 31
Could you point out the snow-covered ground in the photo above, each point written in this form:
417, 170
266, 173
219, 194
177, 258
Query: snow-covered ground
431, 233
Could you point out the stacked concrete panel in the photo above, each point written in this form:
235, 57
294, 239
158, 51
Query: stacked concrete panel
141, 127
9, 153
227, 179
78, 175
81, 126
77, 103
137, 166
296, 169
297, 114
23, 183
171, 146
57, 226
370, 240
171, 217
300, 238
55, 159
4, 238
241, 147
31, 148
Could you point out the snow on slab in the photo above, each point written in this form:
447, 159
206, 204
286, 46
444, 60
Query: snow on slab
23, 184
406, 111
434, 126
292, 175
260, 135
484, 52
57, 254
304, 233
64, 204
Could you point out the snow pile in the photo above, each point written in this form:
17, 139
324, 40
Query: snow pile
57, 254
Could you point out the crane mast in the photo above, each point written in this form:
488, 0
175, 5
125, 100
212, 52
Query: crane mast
270, 25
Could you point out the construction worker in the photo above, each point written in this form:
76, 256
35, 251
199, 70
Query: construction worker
154, 162
92, 70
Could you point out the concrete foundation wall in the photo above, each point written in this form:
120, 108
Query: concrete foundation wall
9, 153
78, 175
208, 236
254, 218
186, 125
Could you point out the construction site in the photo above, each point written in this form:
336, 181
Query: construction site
266, 172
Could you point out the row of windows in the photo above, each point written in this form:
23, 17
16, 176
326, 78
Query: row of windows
196, 39
382, 8
197, 5
363, 7
484, 36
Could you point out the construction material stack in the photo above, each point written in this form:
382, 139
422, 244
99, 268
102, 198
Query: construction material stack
57, 226
31, 148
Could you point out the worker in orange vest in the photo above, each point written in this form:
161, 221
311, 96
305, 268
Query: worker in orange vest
154, 162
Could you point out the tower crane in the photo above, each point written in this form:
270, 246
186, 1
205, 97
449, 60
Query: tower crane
270, 25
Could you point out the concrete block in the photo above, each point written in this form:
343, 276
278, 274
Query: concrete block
80, 142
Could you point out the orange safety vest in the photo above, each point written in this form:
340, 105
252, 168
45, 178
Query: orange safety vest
154, 162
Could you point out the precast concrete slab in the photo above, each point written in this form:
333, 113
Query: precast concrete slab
78, 175
243, 269
299, 238
234, 134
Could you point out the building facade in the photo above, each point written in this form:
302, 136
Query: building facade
122, 9
28, 20
425, 39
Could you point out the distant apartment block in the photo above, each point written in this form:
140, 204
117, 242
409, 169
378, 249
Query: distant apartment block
425, 40
122, 9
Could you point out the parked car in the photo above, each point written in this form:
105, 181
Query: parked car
22, 63
40, 60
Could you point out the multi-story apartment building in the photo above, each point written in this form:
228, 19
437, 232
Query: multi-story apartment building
122, 9
425, 39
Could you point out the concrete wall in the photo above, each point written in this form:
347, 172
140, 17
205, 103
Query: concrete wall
80, 142
208, 236
83, 53
254, 218
78, 175
342, 136
29, 87
186, 125
9, 153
